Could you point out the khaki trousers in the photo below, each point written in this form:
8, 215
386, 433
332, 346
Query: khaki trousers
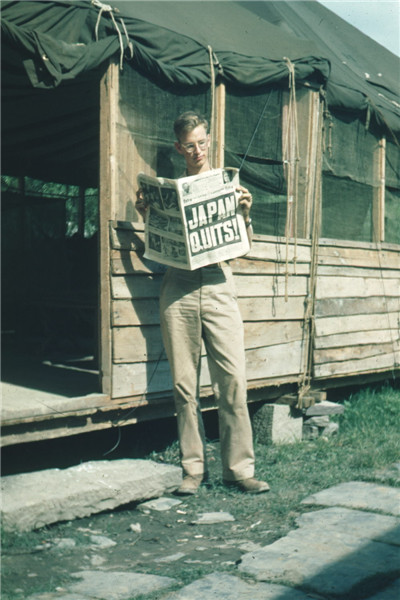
196, 305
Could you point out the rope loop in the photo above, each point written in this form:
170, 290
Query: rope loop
106, 8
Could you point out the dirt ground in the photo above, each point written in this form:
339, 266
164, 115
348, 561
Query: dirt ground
157, 542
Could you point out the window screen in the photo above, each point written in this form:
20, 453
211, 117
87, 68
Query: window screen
253, 143
350, 179
392, 193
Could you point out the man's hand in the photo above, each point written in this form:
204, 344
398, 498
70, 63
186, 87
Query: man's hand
245, 201
141, 205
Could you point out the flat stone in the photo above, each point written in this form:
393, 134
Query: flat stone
391, 592
33, 500
117, 585
324, 408
102, 541
222, 586
159, 504
64, 543
320, 421
277, 424
359, 494
367, 525
213, 517
328, 562
170, 558
329, 430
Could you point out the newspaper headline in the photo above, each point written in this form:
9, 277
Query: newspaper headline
194, 221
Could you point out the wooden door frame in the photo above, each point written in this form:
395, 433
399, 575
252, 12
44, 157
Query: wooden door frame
109, 98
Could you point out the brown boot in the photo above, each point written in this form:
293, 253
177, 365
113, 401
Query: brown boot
250, 486
189, 486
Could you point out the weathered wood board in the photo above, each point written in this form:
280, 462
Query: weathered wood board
357, 311
146, 311
142, 343
133, 379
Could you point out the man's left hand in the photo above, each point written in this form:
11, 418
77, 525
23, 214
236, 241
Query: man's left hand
245, 201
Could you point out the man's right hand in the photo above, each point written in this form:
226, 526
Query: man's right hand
141, 205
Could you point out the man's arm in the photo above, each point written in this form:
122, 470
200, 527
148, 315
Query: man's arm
245, 203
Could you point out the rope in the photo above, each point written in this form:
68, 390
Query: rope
292, 169
309, 319
212, 124
255, 131
106, 8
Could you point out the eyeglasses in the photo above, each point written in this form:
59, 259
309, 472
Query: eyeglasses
190, 148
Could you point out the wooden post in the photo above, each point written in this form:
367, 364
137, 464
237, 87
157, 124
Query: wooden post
109, 96
378, 205
313, 163
218, 128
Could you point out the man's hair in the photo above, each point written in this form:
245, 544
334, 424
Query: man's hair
188, 121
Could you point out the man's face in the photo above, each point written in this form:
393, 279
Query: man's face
194, 146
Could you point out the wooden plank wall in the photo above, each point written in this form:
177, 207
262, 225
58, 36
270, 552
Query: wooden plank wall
273, 325
357, 312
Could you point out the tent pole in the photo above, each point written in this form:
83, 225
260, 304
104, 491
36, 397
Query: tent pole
109, 97
218, 141
378, 206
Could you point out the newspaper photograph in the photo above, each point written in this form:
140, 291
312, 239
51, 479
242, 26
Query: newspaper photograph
194, 221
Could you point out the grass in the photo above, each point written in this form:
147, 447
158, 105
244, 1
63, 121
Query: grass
367, 442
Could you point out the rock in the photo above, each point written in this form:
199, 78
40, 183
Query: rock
64, 543
160, 504
315, 427
222, 586
310, 432
277, 424
363, 524
102, 541
329, 430
322, 421
213, 517
97, 561
331, 563
324, 408
359, 494
117, 585
33, 500
170, 558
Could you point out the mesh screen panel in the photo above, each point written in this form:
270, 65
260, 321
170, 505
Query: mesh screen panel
350, 179
253, 143
150, 115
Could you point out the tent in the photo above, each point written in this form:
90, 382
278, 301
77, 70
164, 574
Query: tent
303, 104
50, 44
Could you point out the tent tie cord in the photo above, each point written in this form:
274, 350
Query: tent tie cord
214, 62
292, 169
106, 8
291, 160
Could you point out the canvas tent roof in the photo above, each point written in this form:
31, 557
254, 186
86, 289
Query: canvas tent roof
50, 56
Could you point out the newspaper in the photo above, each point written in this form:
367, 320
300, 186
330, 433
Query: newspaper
194, 221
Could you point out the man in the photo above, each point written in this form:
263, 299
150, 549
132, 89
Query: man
201, 305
